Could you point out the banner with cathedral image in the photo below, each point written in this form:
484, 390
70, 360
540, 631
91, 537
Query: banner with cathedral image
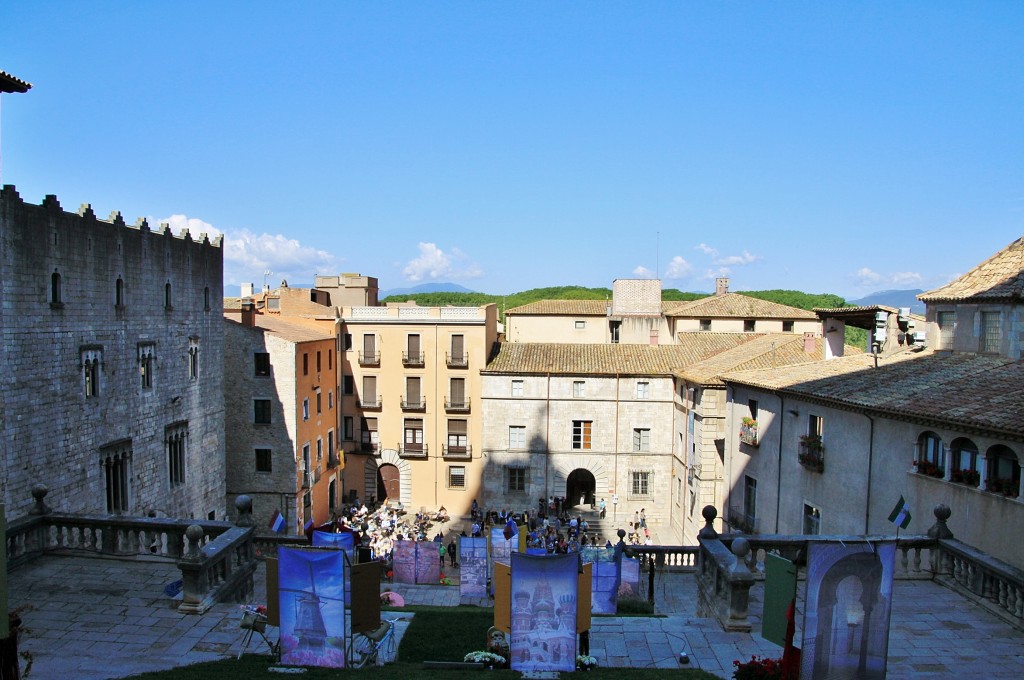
311, 596
846, 611
544, 612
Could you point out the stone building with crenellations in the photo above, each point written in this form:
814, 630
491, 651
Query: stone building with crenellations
111, 341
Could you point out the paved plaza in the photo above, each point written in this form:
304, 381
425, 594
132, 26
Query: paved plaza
91, 618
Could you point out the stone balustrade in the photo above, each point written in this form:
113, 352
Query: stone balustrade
217, 570
679, 558
217, 559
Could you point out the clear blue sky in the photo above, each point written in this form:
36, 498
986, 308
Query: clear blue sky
827, 147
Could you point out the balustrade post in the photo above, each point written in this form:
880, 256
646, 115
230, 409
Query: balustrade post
709, 513
740, 581
39, 492
194, 577
941, 562
244, 506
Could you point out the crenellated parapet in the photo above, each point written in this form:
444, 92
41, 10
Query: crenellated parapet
12, 201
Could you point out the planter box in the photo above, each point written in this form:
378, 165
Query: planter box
748, 434
812, 458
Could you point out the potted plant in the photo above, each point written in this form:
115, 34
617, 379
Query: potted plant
811, 452
488, 659
748, 431
925, 467
1007, 487
966, 477
585, 662
758, 669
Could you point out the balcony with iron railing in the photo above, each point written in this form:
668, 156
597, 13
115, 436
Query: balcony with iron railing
372, 404
457, 360
414, 405
333, 460
413, 358
457, 452
307, 480
413, 450
460, 406
812, 453
369, 358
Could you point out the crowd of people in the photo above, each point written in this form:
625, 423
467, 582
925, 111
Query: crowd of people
551, 527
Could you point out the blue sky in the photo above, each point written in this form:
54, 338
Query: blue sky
826, 147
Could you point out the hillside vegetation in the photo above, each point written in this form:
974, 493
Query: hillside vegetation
793, 298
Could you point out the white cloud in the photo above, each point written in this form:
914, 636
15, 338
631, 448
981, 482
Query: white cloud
732, 260
867, 277
643, 272
906, 278
706, 249
678, 268
434, 264
716, 273
247, 255
179, 223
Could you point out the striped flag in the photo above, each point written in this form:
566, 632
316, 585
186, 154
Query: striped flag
277, 522
900, 515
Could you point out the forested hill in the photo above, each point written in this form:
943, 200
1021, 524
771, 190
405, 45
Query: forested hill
793, 298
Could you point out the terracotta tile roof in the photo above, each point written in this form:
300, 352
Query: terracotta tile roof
972, 391
294, 329
9, 83
574, 308
592, 359
564, 307
768, 351
737, 305
999, 278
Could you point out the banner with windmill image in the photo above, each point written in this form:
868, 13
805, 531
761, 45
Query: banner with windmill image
312, 601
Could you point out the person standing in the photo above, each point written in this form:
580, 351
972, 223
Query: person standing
452, 552
602, 506
643, 518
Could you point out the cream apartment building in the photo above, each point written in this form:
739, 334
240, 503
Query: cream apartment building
410, 395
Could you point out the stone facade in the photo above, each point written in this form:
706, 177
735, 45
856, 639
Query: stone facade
625, 452
112, 338
267, 460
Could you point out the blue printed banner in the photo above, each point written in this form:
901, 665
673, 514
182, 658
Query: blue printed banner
428, 563
403, 564
604, 579
473, 567
544, 612
312, 604
846, 611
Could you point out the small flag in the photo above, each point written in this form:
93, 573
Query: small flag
277, 522
900, 515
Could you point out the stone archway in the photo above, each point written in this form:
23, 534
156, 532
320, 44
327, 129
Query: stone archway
581, 488
389, 475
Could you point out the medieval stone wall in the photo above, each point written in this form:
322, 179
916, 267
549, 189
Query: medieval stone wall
63, 309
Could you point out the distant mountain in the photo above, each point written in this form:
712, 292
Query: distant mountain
893, 298
426, 288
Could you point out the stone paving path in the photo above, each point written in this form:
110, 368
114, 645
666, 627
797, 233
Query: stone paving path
95, 618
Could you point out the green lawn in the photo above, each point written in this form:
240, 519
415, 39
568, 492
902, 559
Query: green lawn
435, 634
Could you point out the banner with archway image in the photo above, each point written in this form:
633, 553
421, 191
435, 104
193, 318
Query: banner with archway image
312, 605
544, 591
847, 607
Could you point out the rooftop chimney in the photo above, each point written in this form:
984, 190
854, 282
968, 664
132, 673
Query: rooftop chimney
247, 290
248, 312
809, 342
721, 286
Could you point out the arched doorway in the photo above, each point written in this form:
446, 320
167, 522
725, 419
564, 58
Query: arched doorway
580, 488
388, 483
